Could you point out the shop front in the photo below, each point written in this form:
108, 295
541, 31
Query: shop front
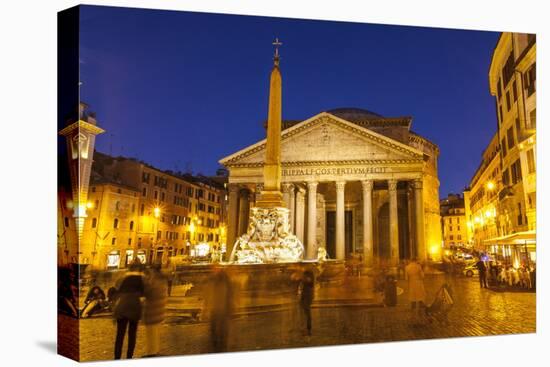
517, 249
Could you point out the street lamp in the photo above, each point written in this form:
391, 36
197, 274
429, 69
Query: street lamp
490, 185
156, 213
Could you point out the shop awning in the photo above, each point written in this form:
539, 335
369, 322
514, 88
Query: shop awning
519, 238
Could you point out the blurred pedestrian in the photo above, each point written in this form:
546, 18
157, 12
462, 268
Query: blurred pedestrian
170, 282
296, 308
127, 311
482, 271
156, 291
220, 304
417, 293
306, 298
95, 301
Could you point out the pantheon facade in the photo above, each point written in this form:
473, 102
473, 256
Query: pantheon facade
355, 183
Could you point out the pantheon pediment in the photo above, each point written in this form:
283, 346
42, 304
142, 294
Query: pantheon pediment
327, 139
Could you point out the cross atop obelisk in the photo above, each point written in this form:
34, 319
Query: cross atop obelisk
271, 196
277, 44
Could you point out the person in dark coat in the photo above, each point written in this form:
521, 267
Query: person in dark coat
482, 269
306, 299
220, 304
127, 311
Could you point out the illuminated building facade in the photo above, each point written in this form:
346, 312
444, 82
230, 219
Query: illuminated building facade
152, 214
453, 221
355, 183
119, 209
504, 187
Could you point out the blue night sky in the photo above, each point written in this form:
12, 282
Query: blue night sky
182, 90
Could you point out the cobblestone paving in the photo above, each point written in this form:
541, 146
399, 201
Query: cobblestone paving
476, 312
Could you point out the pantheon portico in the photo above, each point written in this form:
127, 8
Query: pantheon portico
354, 181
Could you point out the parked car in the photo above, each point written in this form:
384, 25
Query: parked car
470, 270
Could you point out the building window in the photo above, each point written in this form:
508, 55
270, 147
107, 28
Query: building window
506, 177
145, 177
94, 222
503, 147
450, 228
451, 237
96, 204
113, 241
142, 209
156, 195
514, 91
129, 241
508, 104
533, 119
516, 172
508, 70
144, 192
66, 222
458, 229
510, 137
530, 79
531, 161
115, 223
520, 216
161, 196
518, 128
159, 234
459, 237
131, 225
499, 89
500, 111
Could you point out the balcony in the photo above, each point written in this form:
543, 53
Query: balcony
505, 193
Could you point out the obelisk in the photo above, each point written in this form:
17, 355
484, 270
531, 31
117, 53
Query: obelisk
269, 239
271, 195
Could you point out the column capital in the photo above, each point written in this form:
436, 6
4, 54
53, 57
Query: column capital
312, 185
417, 184
233, 188
300, 190
392, 185
287, 187
340, 185
367, 185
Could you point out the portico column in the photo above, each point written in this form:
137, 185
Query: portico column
300, 213
244, 210
292, 207
232, 214
286, 194
394, 229
419, 220
368, 253
311, 220
340, 221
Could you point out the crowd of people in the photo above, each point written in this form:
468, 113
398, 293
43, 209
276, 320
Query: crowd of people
499, 274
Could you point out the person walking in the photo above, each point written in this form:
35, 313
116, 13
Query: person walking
417, 293
306, 298
482, 270
156, 291
127, 311
220, 304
